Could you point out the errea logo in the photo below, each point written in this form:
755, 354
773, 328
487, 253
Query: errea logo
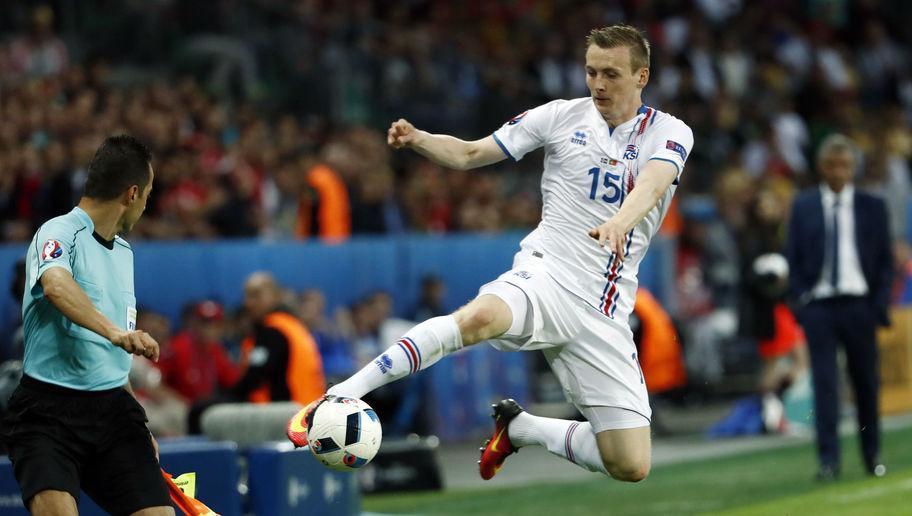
579, 138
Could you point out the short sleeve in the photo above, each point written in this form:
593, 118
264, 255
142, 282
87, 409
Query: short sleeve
52, 247
672, 142
526, 131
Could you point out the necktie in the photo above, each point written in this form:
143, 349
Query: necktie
834, 246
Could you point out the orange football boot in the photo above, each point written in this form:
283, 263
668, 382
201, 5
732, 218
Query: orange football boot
496, 449
296, 430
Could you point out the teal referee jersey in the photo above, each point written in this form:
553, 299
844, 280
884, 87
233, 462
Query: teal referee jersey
58, 350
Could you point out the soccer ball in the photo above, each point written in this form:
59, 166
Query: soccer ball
344, 433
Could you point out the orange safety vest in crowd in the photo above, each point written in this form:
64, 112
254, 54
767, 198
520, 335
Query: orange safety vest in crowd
304, 373
333, 208
660, 348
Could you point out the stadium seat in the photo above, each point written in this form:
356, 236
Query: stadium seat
284, 481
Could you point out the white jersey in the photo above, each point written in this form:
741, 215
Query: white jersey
589, 170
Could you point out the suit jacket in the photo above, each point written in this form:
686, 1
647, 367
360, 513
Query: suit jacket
807, 240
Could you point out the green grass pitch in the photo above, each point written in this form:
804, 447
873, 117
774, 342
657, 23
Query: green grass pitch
775, 482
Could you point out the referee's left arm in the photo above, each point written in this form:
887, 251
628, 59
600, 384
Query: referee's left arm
65, 294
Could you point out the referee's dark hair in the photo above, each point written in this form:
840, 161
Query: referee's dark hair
121, 162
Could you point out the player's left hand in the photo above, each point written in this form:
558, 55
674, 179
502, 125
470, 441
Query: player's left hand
611, 234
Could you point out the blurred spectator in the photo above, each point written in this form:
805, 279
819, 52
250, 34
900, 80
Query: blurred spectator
279, 359
165, 408
840, 275
367, 316
902, 287
887, 174
660, 354
430, 299
709, 276
335, 350
763, 267
39, 53
11, 353
194, 363
785, 361
375, 208
324, 210
764, 316
13, 341
658, 345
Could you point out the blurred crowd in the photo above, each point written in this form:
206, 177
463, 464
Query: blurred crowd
201, 358
279, 133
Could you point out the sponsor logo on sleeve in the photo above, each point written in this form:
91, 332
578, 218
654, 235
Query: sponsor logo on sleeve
51, 250
677, 147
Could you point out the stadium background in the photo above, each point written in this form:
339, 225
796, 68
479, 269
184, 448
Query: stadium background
267, 121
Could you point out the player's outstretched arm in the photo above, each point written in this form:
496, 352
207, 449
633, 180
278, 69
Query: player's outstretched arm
442, 149
652, 182
65, 294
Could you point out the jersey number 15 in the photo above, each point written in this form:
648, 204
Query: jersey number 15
612, 182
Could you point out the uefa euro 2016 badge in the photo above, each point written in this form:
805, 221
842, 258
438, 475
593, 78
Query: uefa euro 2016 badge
51, 250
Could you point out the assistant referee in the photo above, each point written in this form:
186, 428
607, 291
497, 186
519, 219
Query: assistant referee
73, 422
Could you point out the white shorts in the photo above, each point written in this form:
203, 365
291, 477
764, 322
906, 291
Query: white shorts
593, 357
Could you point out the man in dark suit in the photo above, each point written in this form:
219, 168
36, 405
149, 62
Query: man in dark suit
840, 263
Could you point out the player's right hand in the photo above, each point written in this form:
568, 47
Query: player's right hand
138, 343
401, 134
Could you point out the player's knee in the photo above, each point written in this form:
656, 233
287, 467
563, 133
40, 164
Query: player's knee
52, 502
476, 322
628, 471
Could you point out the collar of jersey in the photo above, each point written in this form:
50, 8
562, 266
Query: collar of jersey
626, 125
84, 217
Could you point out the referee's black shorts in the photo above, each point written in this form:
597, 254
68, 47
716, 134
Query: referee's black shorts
63, 439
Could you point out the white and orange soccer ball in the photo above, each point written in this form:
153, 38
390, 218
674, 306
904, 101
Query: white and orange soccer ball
343, 433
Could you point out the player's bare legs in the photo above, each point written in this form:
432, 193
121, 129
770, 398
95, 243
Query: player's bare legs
52, 503
626, 454
485, 317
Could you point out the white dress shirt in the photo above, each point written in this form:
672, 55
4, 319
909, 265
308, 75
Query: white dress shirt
851, 277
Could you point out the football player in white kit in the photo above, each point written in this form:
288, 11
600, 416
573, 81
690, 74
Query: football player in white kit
611, 167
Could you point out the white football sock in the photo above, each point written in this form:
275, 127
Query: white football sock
418, 349
572, 440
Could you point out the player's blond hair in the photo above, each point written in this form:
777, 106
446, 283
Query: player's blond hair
622, 36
